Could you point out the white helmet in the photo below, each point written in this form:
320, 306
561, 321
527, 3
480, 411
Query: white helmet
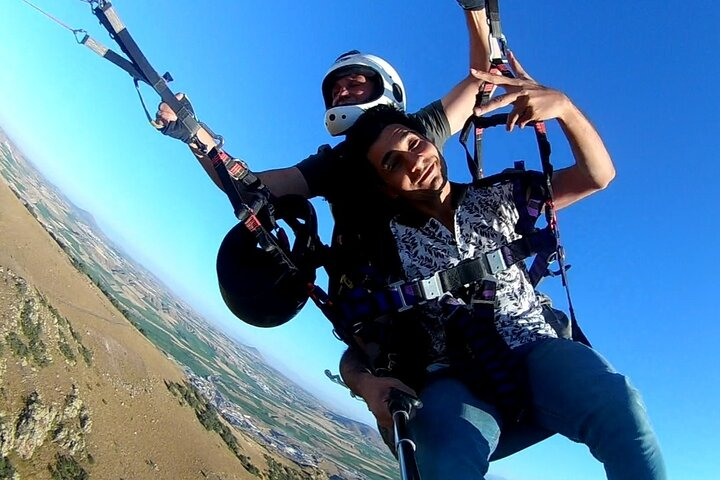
389, 89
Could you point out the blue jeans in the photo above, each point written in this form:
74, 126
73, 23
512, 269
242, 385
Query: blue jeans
575, 392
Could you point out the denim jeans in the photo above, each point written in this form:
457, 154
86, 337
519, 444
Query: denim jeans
575, 392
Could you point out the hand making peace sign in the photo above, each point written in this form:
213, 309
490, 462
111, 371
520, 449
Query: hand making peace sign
531, 101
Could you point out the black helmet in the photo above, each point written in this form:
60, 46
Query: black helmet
259, 286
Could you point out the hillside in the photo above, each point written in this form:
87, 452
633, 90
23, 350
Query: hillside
105, 370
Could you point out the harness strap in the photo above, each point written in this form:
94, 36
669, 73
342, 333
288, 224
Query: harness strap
358, 303
498, 64
112, 23
112, 56
492, 11
492, 368
474, 162
248, 195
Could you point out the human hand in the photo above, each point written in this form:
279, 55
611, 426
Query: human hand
376, 393
531, 101
166, 120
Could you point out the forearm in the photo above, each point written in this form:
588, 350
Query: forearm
284, 181
354, 371
593, 169
479, 33
459, 102
206, 143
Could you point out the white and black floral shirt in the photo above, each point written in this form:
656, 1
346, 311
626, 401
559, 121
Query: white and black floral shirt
485, 219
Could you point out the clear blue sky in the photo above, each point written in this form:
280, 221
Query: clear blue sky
643, 252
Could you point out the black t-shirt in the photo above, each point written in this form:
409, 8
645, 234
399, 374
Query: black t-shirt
324, 171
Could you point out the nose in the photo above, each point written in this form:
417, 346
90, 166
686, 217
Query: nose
414, 162
342, 93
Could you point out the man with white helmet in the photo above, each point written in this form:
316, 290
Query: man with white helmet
352, 77
355, 83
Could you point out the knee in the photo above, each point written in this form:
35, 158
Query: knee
622, 398
620, 435
452, 446
448, 454
619, 413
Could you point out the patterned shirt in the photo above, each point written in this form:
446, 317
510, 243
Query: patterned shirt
485, 219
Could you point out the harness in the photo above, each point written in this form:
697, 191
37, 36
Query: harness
355, 310
499, 65
404, 295
379, 317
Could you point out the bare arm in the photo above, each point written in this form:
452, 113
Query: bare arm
373, 389
459, 102
284, 181
593, 169
479, 32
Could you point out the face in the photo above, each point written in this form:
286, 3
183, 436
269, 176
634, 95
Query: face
408, 164
351, 90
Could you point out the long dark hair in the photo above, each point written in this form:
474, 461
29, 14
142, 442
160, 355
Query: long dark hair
366, 131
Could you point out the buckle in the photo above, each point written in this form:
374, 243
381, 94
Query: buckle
237, 169
431, 287
397, 287
496, 261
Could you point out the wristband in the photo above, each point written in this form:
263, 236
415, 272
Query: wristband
472, 4
176, 129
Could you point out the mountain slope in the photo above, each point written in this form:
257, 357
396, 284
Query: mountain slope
109, 330
138, 428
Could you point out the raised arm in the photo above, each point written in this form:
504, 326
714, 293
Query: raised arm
459, 102
593, 169
280, 182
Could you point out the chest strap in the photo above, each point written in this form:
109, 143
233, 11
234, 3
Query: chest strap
359, 304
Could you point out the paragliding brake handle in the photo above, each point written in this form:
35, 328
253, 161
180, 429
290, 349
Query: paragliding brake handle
402, 407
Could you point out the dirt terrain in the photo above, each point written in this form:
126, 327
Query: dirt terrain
138, 429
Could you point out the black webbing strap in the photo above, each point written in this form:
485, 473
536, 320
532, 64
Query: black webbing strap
474, 161
248, 196
551, 217
492, 11
245, 191
493, 370
112, 56
112, 23
359, 303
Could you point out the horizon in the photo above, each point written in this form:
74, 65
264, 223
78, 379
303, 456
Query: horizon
275, 362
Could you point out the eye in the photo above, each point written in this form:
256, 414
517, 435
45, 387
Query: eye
390, 164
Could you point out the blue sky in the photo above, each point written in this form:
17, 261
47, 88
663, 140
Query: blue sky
643, 251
